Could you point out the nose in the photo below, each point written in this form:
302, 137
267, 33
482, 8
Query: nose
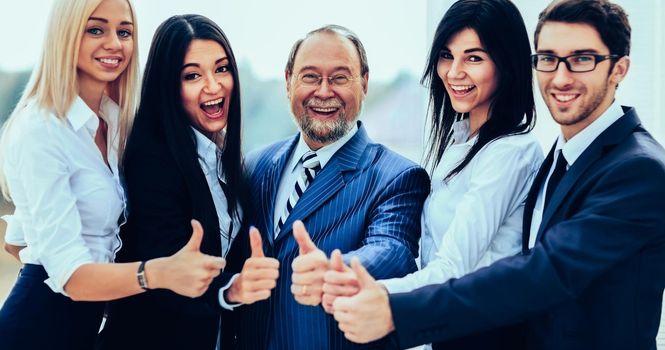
212, 86
112, 42
455, 71
324, 90
562, 76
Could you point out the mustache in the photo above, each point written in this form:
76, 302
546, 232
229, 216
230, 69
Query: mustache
316, 102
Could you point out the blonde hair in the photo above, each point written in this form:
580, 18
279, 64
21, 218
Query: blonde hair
53, 85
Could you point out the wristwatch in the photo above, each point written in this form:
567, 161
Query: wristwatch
140, 276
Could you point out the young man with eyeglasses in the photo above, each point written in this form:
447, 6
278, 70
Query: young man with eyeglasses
350, 193
591, 273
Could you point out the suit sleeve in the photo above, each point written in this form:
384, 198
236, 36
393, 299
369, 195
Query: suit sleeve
390, 245
620, 215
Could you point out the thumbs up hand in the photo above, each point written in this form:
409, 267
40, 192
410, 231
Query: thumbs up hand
308, 268
258, 276
366, 316
187, 272
340, 280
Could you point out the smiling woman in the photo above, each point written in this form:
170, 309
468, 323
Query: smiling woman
183, 161
59, 155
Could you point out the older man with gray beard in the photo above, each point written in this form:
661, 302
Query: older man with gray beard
351, 194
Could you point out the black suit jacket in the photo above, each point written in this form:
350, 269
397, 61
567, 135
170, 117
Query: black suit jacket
594, 279
162, 201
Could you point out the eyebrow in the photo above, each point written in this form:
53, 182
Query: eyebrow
575, 52
475, 49
107, 21
198, 65
335, 69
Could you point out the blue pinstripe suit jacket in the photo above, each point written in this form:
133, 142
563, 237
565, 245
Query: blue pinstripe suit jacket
366, 201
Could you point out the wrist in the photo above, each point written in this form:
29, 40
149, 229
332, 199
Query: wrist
231, 295
152, 272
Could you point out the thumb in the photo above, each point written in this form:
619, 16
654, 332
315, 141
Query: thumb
336, 262
194, 243
256, 243
364, 278
302, 237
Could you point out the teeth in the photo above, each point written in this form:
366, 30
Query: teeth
461, 87
324, 110
214, 102
564, 98
109, 60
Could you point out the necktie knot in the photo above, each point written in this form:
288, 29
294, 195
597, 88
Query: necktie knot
310, 160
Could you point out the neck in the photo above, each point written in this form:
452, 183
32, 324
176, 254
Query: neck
91, 94
476, 119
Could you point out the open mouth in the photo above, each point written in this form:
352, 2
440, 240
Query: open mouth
324, 111
110, 63
213, 108
461, 90
565, 99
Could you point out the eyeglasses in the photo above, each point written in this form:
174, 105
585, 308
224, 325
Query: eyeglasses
577, 63
313, 79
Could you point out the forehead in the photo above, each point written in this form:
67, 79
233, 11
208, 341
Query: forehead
327, 51
113, 10
204, 50
464, 39
567, 38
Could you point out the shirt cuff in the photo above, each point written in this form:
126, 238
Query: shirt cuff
223, 302
14, 232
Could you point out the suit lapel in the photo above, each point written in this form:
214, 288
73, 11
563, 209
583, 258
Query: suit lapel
340, 169
270, 184
613, 135
531, 198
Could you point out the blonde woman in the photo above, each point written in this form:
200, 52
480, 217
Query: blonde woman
59, 156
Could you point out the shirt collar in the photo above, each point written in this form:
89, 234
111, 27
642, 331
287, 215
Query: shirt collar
324, 153
460, 133
80, 114
573, 148
207, 152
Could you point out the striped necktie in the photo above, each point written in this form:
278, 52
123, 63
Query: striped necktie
311, 167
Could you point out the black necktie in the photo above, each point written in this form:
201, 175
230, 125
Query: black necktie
557, 174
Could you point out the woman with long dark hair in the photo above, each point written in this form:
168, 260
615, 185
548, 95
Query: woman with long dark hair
482, 155
183, 160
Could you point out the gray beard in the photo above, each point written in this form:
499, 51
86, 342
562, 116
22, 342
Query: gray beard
325, 132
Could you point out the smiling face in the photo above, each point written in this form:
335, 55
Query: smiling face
106, 46
326, 112
575, 100
468, 74
206, 86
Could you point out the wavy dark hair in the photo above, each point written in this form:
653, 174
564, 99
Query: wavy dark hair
501, 30
161, 109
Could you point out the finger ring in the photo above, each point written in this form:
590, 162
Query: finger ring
304, 290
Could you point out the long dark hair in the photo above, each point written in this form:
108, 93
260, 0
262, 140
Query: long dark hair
501, 30
161, 109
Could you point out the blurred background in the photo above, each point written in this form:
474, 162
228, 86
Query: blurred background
396, 34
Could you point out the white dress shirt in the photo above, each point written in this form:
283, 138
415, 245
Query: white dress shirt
475, 218
572, 149
68, 201
294, 168
211, 164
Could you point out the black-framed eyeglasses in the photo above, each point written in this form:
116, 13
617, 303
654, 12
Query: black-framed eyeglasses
313, 79
577, 63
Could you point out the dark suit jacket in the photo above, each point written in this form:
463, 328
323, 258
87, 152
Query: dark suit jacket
162, 201
366, 201
594, 279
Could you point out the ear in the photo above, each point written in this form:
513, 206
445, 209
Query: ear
620, 70
287, 77
365, 83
